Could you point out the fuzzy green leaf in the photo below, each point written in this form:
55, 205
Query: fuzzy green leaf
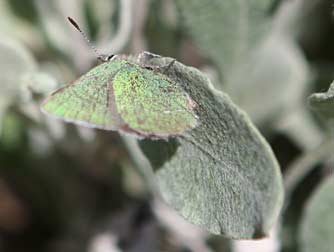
221, 175
317, 228
226, 30
277, 67
323, 103
15, 62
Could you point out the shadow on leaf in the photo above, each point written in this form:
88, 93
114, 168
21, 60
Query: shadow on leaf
159, 151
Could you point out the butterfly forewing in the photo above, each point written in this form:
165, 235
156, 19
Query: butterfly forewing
89, 100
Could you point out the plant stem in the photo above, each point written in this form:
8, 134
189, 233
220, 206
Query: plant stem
124, 30
303, 165
142, 164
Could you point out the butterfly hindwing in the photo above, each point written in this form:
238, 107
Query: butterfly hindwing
151, 103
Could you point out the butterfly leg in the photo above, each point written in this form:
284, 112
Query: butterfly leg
144, 57
163, 69
107, 57
168, 66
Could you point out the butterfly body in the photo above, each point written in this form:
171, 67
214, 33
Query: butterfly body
125, 96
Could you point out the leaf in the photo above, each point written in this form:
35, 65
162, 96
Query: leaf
221, 175
33, 85
279, 71
16, 27
323, 103
37, 83
15, 61
11, 132
317, 229
226, 30
271, 60
20, 79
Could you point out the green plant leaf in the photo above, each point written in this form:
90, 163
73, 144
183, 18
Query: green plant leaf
317, 229
226, 30
17, 27
323, 103
222, 175
276, 67
15, 61
11, 131
36, 82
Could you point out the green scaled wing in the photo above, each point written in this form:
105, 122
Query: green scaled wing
88, 101
151, 104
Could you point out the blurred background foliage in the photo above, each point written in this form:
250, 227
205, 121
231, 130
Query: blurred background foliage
65, 188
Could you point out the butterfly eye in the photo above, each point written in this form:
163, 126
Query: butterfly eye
105, 58
110, 57
149, 67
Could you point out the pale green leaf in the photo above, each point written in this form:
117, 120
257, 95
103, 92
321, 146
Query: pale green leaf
317, 227
11, 131
15, 61
16, 27
272, 82
323, 103
36, 83
226, 30
222, 175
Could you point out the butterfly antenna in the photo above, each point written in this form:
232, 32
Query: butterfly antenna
91, 45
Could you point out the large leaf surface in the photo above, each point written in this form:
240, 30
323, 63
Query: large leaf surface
222, 175
279, 71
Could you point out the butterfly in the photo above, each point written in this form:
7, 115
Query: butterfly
126, 95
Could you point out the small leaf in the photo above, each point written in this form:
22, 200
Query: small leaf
124, 96
16, 27
226, 30
15, 61
323, 103
221, 175
317, 227
36, 82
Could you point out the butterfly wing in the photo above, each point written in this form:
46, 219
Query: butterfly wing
88, 101
151, 103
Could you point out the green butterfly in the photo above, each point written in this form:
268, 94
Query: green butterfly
126, 95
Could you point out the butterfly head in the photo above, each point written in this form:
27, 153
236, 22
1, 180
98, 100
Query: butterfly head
100, 57
106, 58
